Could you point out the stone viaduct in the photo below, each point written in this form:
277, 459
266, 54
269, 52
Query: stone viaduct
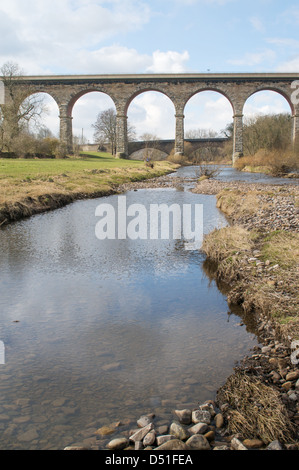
122, 89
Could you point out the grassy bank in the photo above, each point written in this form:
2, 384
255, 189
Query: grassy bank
258, 255
273, 163
30, 186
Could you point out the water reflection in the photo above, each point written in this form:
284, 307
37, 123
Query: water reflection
228, 173
106, 330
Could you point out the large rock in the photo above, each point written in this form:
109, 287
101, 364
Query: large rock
149, 439
199, 428
201, 416
274, 445
165, 438
253, 443
292, 375
118, 443
144, 421
141, 433
237, 445
198, 442
174, 444
184, 416
177, 430
219, 421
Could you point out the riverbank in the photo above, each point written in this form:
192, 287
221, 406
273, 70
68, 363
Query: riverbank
30, 187
274, 163
257, 407
258, 256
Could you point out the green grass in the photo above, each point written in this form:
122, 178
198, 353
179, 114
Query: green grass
88, 175
29, 168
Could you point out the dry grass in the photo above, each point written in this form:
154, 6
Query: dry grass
275, 163
237, 202
282, 248
255, 409
226, 242
226, 247
177, 159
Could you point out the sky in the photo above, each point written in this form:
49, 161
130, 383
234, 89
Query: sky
157, 36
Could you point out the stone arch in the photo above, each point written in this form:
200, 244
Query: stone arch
285, 99
168, 107
142, 90
215, 90
28, 91
231, 103
85, 111
74, 97
215, 93
274, 89
48, 95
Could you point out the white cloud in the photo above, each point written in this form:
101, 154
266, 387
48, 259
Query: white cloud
285, 42
257, 24
83, 22
169, 62
55, 33
208, 110
154, 113
266, 102
55, 36
255, 58
291, 66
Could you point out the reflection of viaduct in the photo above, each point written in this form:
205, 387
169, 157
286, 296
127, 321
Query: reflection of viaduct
237, 88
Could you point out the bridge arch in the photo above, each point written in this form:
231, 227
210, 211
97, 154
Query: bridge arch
149, 111
211, 102
85, 111
76, 96
267, 102
211, 89
273, 89
144, 89
46, 107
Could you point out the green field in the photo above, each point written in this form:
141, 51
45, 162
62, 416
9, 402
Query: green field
25, 182
32, 167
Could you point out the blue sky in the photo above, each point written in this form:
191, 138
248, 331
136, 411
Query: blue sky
142, 36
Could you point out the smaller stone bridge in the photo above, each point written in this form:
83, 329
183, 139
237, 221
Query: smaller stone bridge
167, 146
164, 147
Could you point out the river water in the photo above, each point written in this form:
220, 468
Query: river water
96, 331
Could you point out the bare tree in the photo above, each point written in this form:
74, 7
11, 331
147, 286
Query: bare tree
201, 134
22, 106
269, 132
105, 129
150, 152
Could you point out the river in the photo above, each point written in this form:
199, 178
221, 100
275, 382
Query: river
96, 331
